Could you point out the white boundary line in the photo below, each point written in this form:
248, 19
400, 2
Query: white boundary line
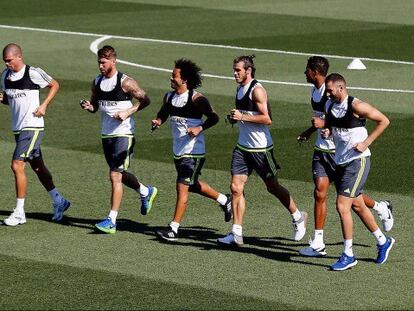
102, 37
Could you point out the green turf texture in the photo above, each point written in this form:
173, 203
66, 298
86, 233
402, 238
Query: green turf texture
50, 266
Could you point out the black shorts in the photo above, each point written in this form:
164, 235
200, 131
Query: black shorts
351, 177
28, 145
323, 165
118, 152
188, 169
263, 162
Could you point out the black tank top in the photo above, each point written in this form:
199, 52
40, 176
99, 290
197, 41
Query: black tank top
25, 83
245, 103
319, 106
349, 120
117, 94
189, 110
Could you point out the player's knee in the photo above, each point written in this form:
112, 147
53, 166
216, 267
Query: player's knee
17, 166
319, 195
115, 176
236, 189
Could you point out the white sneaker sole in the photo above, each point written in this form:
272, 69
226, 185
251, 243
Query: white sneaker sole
14, 224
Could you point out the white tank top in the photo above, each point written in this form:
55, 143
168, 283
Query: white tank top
252, 136
346, 138
23, 103
110, 125
184, 144
320, 142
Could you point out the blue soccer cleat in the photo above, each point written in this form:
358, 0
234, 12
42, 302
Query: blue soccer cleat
59, 209
106, 226
344, 262
146, 201
384, 250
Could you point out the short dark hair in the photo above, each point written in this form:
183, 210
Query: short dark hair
247, 61
335, 77
319, 64
190, 72
106, 51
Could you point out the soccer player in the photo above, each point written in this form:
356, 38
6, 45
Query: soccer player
112, 95
20, 84
254, 151
323, 162
345, 121
186, 107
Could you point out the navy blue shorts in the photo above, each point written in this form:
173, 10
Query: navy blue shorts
28, 145
118, 152
351, 177
263, 162
188, 169
323, 165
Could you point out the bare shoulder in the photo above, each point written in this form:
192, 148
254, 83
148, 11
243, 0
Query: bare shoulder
259, 93
129, 84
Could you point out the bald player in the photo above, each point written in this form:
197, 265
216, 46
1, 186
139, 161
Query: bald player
20, 84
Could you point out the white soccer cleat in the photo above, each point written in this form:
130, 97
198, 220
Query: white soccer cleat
15, 219
386, 216
231, 239
313, 250
299, 227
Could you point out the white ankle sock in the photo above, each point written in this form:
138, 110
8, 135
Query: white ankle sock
237, 230
143, 190
296, 215
379, 236
113, 215
348, 248
19, 205
174, 226
318, 237
222, 199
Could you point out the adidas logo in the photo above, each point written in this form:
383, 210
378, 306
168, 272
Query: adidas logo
347, 190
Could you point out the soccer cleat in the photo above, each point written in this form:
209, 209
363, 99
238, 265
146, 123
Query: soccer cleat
59, 209
106, 226
15, 219
146, 201
299, 227
313, 250
168, 234
386, 217
227, 208
344, 262
231, 239
384, 250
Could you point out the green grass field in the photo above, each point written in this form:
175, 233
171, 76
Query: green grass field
68, 266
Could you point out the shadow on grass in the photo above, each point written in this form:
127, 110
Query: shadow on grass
203, 238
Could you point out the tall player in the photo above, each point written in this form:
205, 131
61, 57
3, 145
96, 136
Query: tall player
323, 162
112, 95
21, 84
254, 151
